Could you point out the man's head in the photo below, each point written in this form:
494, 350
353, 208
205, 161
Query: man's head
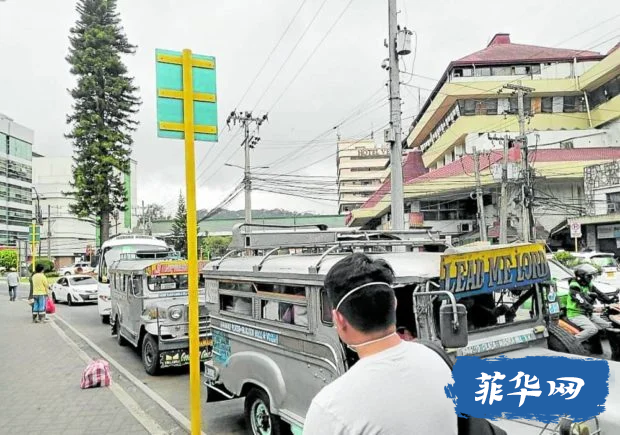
39, 268
585, 273
369, 309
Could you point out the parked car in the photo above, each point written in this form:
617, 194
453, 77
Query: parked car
75, 289
79, 267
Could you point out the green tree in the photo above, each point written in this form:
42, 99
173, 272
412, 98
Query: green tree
102, 118
215, 246
8, 258
179, 227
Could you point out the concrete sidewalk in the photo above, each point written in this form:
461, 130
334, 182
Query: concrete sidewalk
40, 377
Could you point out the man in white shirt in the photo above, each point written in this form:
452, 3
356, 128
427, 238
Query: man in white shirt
12, 280
396, 387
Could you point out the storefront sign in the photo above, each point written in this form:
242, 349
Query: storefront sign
416, 219
608, 232
487, 270
373, 152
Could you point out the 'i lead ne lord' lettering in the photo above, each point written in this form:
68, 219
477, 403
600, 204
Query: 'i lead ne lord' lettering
503, 271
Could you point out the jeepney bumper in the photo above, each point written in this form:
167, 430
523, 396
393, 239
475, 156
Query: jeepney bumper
173, 341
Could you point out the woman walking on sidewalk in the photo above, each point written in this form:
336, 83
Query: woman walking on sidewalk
40, 288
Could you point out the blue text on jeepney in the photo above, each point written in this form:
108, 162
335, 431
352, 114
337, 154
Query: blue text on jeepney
221, 348
259, 334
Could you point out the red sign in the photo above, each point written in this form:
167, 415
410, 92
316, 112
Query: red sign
172, 268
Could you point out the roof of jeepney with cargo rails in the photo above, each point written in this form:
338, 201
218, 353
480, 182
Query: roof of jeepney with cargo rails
408, 266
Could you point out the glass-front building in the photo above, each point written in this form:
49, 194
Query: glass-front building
15, 181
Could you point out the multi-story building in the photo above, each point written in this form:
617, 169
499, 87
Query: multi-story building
64, 236
572, 114
362, 168
16, 181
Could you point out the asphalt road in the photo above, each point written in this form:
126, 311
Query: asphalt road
173, 385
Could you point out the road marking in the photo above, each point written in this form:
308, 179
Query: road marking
128, 402
171, 410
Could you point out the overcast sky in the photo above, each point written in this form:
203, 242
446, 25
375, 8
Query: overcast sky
344, 72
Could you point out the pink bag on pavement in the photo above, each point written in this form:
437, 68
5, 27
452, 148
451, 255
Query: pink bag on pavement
96, 374
50, 307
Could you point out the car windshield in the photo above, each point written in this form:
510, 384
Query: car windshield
604, 261
168, 282
558, 272
82, 280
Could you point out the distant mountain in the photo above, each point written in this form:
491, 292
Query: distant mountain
258, 214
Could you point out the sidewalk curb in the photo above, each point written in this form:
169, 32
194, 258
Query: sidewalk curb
167, 407
132, 406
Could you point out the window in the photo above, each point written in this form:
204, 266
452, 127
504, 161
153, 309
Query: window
514, 105
285, 312
501, 71
483, 72
167, 282
236, 304
19, 148
570, 104
137, 285
534, 69
326, 308
490, 106
546, 104
605, 92
468, 107
237, 286
83, 280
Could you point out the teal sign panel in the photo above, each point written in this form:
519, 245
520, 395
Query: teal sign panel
169, 80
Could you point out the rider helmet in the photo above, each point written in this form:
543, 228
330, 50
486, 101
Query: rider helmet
585, 273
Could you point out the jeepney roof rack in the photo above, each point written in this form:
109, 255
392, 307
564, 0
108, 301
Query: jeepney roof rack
329, 248
244, 236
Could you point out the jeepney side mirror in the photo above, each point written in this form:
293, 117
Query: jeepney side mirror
453, 326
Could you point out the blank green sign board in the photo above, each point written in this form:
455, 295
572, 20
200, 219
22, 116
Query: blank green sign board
169, 79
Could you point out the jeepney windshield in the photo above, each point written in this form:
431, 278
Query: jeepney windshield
168, 282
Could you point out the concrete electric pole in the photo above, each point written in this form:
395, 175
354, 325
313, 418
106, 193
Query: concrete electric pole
49, 232
393, 134
503, 211
526, 189
479, 198
246, 119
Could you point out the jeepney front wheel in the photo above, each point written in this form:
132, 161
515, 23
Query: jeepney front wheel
150, 355
258, 416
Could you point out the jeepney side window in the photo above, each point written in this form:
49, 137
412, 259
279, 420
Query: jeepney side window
291, 306
326, 309
235, 303
136, 285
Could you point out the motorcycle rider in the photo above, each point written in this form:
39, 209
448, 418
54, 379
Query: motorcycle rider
580, 305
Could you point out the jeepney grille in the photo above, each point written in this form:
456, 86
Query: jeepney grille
203, 319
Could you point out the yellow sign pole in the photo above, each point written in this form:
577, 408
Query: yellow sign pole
192, 243
34, 247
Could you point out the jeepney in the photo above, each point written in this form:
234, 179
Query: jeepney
279, 361
150, 311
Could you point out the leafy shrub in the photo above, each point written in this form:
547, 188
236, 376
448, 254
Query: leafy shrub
8, 258
48, 266
567, 259
52, 274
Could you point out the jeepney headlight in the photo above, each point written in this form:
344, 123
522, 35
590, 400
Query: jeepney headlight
579, 429
175, 313
153, 313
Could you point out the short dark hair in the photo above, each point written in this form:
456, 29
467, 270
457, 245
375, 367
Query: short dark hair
371, 309
39, 268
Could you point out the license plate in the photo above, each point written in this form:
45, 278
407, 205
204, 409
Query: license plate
210, 373
92, 297
554, 308
204, 342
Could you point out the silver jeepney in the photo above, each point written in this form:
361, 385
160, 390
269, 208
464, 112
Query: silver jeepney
279, 362
150, 311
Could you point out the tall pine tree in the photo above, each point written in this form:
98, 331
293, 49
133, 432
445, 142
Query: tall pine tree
101, 121
179, 228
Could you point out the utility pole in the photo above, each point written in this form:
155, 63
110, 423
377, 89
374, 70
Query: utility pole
393, 134
49, 232
503, 211
246, 119
481, 220
526, 188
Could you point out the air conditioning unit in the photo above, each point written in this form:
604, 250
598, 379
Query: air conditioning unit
464, 227
612, 207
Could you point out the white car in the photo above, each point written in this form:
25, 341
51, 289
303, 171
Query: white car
75, 289
606, 262
79, 267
